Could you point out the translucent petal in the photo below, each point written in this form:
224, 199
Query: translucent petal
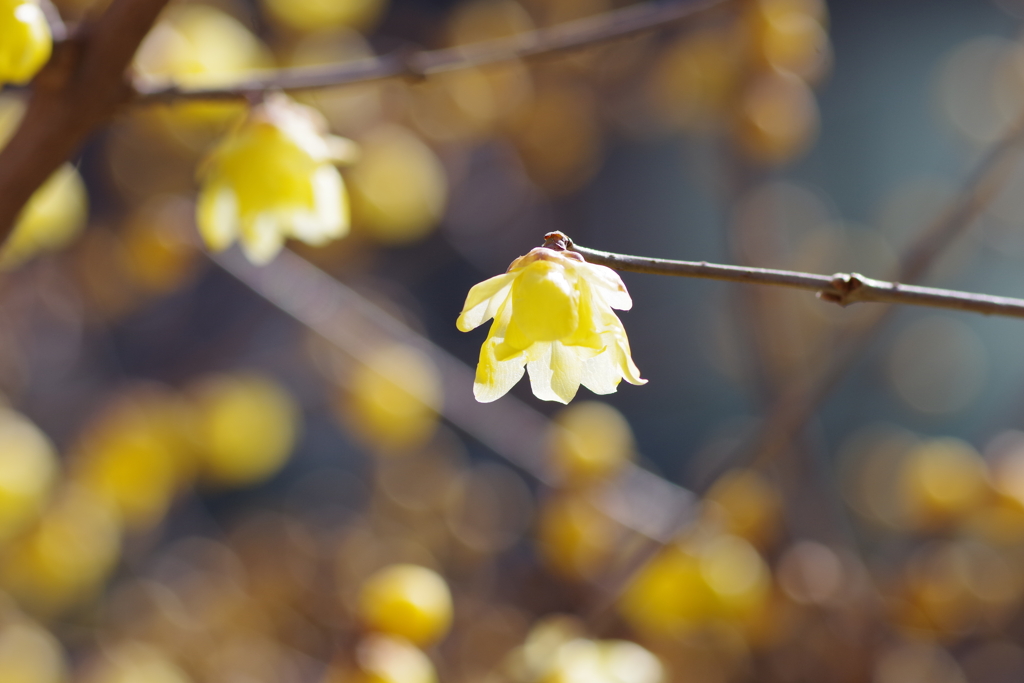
483, 301
262, 239
504, 351
630, 372
592, 314
539, 367
305, 226
556, 374
217, 216
497, 336
494, 378
607, 285
567, 371
331, 205
619, 344
515, 337
601, 374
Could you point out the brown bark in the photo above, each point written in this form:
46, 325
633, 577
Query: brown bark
79, 90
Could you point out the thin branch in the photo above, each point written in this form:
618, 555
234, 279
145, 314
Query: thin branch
573, 35
79, 90
841, 288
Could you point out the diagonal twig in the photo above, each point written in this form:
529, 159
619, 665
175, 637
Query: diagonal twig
573, 35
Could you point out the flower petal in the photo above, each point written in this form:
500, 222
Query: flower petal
262, 239
607, 285
555, 375
619, 344
592, 315
630, 372
494, 378
601, 374
567, 371
217, 216
329, 218
539, 367
483, 301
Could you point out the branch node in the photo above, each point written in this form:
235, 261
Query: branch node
846, 289
557, 241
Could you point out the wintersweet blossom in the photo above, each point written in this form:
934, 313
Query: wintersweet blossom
552, 317
272, 178
25, 41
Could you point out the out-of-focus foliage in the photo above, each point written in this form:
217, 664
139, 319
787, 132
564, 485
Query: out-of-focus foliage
28, 474
202, 46
195, 488
55, 214
25, 41
272, 178
391, 157
750, 80
246, 428
590, 440
392, 399
408, 601
29, 653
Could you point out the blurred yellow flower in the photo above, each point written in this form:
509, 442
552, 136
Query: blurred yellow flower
57, 212
25, 41
552, 314
52, 219
407, 601
273, 178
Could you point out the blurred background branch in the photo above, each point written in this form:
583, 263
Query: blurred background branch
569, 36
798, 401
637, 499
238, 452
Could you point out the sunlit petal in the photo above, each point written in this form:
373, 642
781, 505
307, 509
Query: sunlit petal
483, 301
607, 285
601, 374
541, 373
495, 378
566, 371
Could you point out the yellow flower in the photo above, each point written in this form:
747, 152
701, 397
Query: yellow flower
56, 213
552, 314
25, 41
273, 178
